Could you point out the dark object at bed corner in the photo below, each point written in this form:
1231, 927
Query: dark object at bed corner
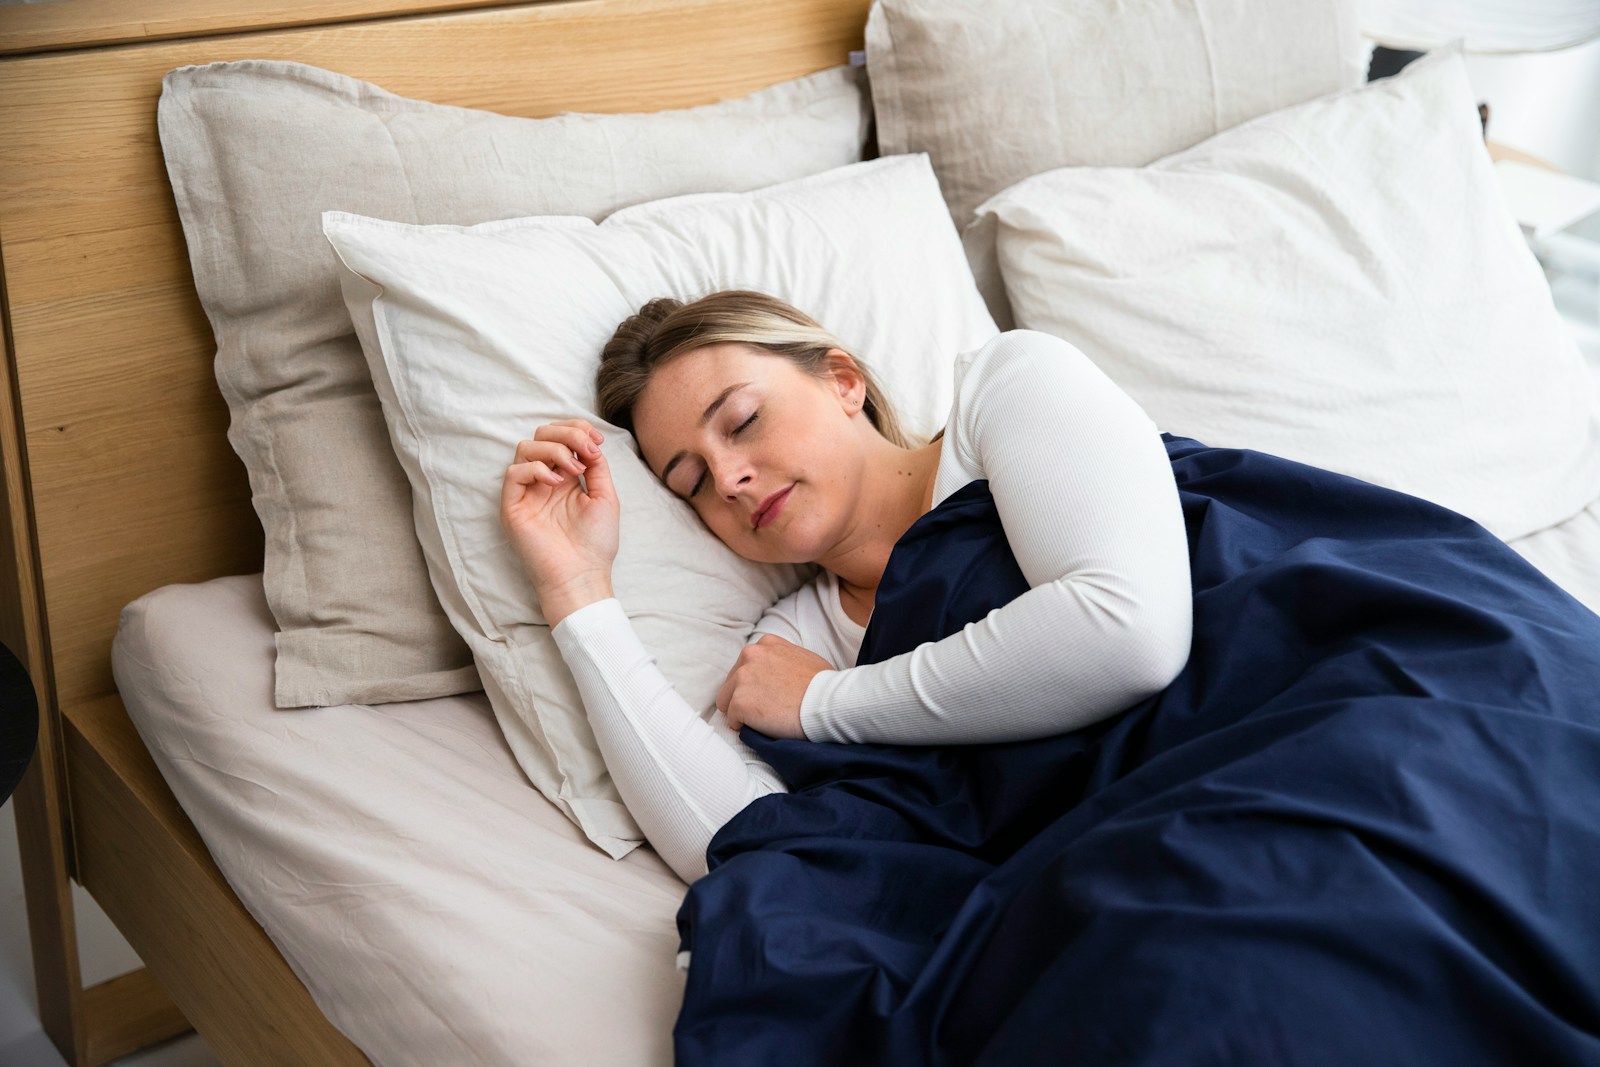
1361, 826
1386, 62
19, 722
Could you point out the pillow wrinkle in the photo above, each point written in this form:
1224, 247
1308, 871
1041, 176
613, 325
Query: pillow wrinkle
1213, 86
403, 168
1378, 239
256, 150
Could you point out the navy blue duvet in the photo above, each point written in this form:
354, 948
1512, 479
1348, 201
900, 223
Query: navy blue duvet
1361, 827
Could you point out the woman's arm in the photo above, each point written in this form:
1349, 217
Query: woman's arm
681, 777
1086, 495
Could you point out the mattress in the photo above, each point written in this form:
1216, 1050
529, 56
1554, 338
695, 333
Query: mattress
1569, 552
438, 907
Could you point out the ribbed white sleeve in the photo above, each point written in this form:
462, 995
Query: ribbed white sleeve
681, 776
1090, 508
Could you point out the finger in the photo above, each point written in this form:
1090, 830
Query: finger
724, 693
515, 486
594, 434
597, 477
535, 471
552, 453
576, 434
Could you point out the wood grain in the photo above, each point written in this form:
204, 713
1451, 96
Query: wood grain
147, 867
73, 24
127, 1013
41, 801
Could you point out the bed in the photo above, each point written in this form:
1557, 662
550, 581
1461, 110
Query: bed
125, 506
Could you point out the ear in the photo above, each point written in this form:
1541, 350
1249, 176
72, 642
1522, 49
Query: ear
847, 380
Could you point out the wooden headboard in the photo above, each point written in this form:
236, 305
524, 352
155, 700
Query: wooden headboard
118, 477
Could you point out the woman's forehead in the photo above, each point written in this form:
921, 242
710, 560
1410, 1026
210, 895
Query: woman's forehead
673, 404
681, 388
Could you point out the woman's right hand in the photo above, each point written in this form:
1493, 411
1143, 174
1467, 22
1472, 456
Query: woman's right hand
565, 533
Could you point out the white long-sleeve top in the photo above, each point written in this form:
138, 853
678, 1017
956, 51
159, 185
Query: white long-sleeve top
1086, 496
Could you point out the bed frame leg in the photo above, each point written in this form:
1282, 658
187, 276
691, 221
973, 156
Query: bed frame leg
89, 1026
48, 892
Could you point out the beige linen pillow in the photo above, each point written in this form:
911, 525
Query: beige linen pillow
477, 335
996, 92
256, 151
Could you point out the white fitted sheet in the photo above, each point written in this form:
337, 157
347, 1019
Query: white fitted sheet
439, 909
1569, 552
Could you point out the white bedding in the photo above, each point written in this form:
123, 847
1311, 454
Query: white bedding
1569, 552
439, 909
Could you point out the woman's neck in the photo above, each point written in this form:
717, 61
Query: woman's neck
898, 490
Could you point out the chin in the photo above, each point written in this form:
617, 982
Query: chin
767, 549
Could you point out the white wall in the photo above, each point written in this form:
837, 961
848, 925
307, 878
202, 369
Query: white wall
1545, 103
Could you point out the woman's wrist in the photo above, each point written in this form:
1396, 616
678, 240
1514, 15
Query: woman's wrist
559, 601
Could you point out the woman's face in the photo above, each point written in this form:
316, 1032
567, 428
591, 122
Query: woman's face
769, 456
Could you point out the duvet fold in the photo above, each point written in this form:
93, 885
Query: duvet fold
1361, 826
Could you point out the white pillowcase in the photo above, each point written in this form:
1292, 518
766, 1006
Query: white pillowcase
477, 335
1338, 282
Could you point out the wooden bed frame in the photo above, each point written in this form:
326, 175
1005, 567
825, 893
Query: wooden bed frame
116, 470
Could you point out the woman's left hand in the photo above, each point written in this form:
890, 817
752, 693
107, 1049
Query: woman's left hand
766, 685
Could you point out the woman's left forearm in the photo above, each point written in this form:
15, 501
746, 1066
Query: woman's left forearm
1054, 659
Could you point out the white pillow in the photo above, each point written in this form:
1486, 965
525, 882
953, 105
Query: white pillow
1338, 282
477, 335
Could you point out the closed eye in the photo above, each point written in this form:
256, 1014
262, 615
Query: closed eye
700, 481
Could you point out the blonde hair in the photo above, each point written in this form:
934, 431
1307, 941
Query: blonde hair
664, 329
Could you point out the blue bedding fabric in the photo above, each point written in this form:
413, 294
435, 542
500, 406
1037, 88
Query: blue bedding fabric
1361, 827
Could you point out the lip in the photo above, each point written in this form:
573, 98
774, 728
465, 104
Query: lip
770, 507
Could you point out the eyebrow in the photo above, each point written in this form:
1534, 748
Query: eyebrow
711, 409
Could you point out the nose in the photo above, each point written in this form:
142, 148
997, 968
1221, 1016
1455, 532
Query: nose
730, 473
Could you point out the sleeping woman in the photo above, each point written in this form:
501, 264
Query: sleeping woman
1194, 754
779, 439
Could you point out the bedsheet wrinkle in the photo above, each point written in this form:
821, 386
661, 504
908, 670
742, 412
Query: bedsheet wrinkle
437, 907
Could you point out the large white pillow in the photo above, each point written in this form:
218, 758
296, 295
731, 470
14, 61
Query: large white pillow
477, 335
1338, 282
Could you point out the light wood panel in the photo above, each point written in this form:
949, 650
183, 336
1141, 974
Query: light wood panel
147, 867
127, 1013
44, 843
72, 24
134, 483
